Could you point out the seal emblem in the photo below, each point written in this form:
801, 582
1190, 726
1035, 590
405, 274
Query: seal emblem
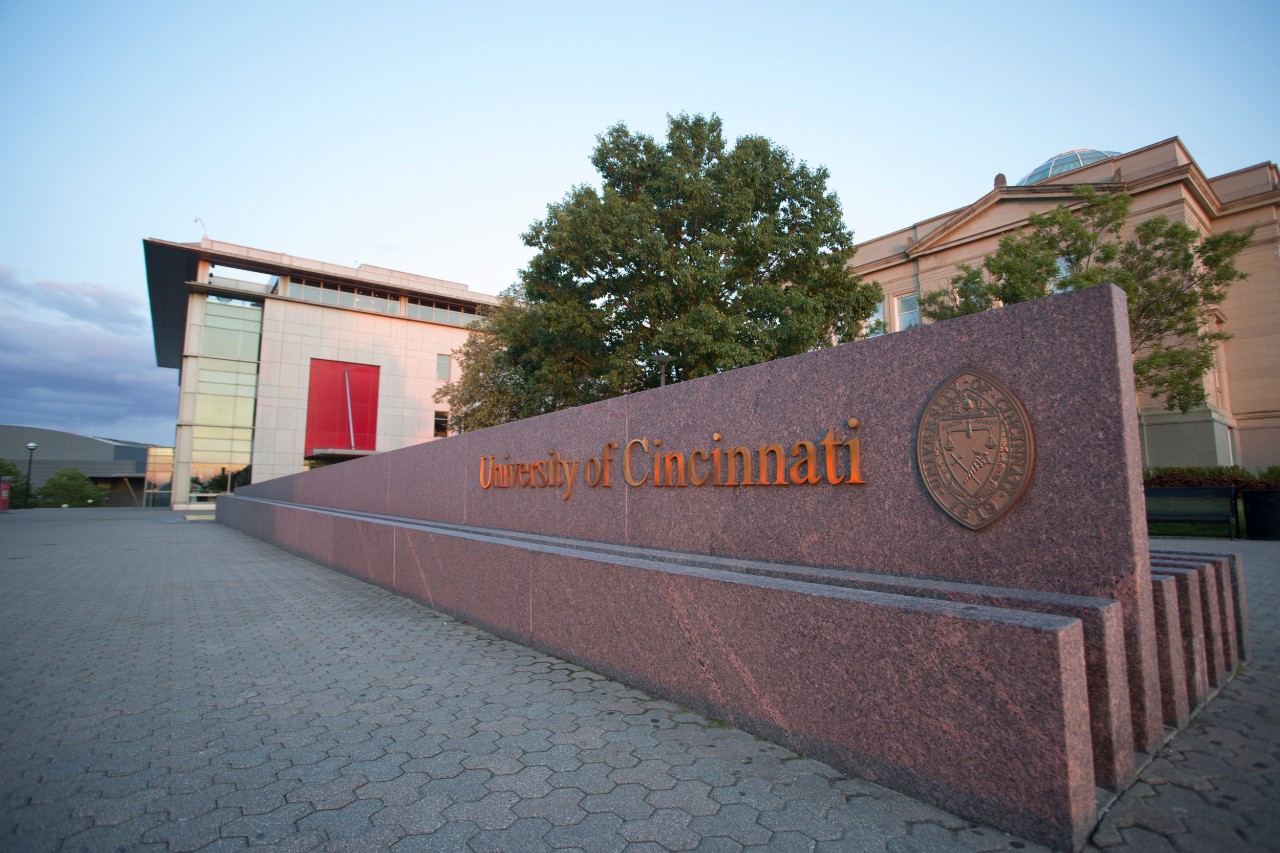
975, 448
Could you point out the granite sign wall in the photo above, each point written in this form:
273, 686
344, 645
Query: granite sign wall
920, 557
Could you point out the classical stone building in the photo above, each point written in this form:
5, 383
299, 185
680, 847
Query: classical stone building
1241, 422
287, 363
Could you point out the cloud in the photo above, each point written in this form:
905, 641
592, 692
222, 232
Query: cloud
80, 358
86, 304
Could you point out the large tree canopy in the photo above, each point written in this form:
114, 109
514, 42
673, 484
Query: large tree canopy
692, 257
1173, 278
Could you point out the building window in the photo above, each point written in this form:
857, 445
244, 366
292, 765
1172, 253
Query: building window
444, 365
343, 295
874, 324
441, 312
907, 309
442, 424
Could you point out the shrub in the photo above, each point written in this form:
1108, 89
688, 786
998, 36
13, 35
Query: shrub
1211, 475
70, 487
18, 486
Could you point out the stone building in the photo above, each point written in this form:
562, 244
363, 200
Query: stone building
1241, 422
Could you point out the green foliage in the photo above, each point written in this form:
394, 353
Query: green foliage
491, 390
70, 487
716, 256
1211, 475
17, 488
1172, 277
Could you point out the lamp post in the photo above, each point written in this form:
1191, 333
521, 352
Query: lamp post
31, 454
663, 359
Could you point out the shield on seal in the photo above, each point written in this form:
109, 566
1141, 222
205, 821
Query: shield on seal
974, 448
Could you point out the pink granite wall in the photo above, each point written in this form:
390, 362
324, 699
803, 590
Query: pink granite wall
1079, 530
981, 710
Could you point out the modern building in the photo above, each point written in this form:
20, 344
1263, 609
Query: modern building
287, 363
121, 466
1241, 422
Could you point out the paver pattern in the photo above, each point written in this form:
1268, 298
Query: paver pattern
1216, 785
172, 685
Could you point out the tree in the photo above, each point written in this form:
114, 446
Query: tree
715, 257
70, 487
1172, 276
18, 485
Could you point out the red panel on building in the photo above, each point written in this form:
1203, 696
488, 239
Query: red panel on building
342, 406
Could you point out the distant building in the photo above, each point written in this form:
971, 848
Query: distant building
287, 363
1241, 422
121, 466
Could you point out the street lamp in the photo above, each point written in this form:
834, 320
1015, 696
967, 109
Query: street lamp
31, 453
663, 359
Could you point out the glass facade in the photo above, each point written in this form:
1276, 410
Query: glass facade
440, 312
226, 388
159, 483
343, 296
365, 299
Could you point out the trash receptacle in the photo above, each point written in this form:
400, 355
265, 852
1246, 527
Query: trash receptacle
1262, 513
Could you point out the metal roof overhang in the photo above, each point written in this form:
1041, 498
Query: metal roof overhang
173, 270
170, 266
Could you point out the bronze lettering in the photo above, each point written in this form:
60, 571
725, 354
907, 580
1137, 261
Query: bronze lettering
570, 472
829, 445
743, 454
780, 475
807, 457
693, 470
673, 466
606, 463
855, 461
626, 462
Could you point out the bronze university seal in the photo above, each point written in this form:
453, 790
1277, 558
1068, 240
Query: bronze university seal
975, 448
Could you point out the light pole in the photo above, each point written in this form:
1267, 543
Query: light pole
663, 359
31, 454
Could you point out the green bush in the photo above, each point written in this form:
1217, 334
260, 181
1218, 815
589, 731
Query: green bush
17, 488
70, 487
1211, 475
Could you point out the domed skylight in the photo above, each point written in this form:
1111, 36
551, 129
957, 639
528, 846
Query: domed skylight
1067, 161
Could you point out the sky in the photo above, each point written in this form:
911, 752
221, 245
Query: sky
427, 137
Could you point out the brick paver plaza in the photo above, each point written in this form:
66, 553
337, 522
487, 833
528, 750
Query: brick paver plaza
175, 685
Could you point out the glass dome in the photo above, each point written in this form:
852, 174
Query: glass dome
1067, 161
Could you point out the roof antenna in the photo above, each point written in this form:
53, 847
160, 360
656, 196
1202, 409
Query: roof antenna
203, 227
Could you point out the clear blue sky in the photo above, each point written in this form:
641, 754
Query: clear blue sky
428, 136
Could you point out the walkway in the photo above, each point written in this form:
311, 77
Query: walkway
172, 685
